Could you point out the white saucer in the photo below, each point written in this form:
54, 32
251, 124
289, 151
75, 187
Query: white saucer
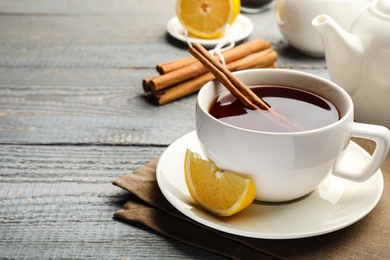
337, 203
240, 29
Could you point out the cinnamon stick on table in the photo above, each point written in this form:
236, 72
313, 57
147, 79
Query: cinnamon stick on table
196, 68
169, 66
262, 59
231, 82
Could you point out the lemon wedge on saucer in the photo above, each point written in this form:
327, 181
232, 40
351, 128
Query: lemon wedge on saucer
222, 193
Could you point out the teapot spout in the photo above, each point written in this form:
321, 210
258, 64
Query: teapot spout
344, 53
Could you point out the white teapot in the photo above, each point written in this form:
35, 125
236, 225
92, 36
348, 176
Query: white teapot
294, 17
359, 60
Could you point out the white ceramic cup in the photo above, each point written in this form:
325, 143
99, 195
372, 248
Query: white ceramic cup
287, 166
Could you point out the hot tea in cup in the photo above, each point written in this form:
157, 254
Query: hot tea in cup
300, 110
287, 155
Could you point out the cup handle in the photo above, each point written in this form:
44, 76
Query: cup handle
381, 136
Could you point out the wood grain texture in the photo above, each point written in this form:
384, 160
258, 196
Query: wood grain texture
58, 202
91, 105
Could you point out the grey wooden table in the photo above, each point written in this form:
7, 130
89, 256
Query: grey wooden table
73, 117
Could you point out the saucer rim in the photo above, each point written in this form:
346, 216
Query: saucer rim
180, 204
174, 23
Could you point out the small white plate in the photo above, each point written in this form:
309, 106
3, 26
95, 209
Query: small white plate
337, 203
240, 29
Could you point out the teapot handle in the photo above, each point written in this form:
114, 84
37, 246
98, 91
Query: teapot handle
381, 136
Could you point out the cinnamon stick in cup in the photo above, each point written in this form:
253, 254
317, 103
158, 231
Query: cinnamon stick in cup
234, 85
262, 59
238, 89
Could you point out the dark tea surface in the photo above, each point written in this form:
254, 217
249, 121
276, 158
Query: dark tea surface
304, 109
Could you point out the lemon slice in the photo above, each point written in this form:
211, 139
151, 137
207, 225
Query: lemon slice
207, 19
222, 193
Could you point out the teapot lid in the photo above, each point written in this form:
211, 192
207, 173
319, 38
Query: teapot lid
382, 7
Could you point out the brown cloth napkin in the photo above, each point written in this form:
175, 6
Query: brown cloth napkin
369, 238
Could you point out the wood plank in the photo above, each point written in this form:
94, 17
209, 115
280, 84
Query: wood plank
83, 42
93, 106
85, 7
115, 40
80, 165
100, 106
58, 202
